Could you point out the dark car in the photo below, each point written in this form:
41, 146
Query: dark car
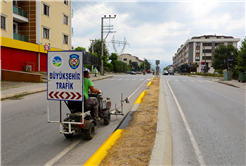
132, 72
171, 72
165, 72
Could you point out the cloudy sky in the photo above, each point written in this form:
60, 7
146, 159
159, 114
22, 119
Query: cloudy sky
156, 29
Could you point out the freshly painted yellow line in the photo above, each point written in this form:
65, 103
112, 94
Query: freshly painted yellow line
149, 83
97, 157
140, 97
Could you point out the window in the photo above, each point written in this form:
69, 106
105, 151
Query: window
197, 44
46, 9
66, 2
197, 51
207, 51
125, 59
206, 57
206, 37
65, 19
229, 43
46, 33
218, 37
3, 22
207, 44
65, 39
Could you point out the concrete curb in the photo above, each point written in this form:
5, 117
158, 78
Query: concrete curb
39, 90
23, 93
98, 156
162, 150
228, 84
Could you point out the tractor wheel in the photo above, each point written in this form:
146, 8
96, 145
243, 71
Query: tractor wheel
106, 119
68, 135
89, 134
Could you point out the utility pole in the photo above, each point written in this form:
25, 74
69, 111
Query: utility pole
92, 50
205, 70
102, 31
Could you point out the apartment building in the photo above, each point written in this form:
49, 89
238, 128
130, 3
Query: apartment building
196, 54
127, 57
29, 28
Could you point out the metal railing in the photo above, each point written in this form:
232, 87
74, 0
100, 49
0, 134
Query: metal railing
20, 37
20, 12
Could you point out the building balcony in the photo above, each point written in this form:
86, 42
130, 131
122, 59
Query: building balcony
20, 37
20, 15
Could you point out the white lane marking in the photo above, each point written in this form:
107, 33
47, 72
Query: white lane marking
192, 138
141, 79
62, 153
184, 80
176, 80
137, 89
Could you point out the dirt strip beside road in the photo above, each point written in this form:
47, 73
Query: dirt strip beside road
135, 145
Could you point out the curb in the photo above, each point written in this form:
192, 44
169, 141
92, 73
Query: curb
98, 156
39, 90
162, 152
228, 84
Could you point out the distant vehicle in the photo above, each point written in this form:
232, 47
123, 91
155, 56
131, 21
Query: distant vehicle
171, 73
148, 71
132, 72
165, 72
128, 72
138, 72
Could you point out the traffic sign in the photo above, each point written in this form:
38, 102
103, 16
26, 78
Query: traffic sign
65, 75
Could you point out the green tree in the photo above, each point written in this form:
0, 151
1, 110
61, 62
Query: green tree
222, 54
242, 57
97, 48
166, 68
147, 65
114, 58
80, 49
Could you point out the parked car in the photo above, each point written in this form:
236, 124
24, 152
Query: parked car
165, 72
128, 72
132, 72
148, 71
171, 73
138, 72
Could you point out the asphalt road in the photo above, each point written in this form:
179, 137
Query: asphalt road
207, 121
27, 138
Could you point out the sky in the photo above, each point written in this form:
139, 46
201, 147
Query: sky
154, 30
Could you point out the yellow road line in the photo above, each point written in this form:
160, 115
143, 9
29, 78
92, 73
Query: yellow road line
98, 156
140, 98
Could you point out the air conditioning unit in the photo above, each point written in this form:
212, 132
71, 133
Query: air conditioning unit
28, 68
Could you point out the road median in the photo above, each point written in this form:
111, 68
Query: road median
136, 140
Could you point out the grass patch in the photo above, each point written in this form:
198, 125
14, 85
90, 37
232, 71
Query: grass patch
135, 145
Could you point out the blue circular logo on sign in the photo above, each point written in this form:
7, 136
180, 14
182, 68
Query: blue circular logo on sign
56, 61
74, 61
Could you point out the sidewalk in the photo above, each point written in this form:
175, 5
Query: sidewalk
10, 88
233, 83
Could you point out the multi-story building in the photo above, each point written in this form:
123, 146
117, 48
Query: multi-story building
127, 57
28, 26
196, 54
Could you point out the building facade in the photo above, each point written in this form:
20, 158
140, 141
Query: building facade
196, 54
29, 26
127, 57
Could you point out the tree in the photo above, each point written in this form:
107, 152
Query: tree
114, 58
242, 57
222, 54
97, 48
166, 68
147, 65
80, 49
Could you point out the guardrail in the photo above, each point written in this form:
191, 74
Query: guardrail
20, 11
20, 37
